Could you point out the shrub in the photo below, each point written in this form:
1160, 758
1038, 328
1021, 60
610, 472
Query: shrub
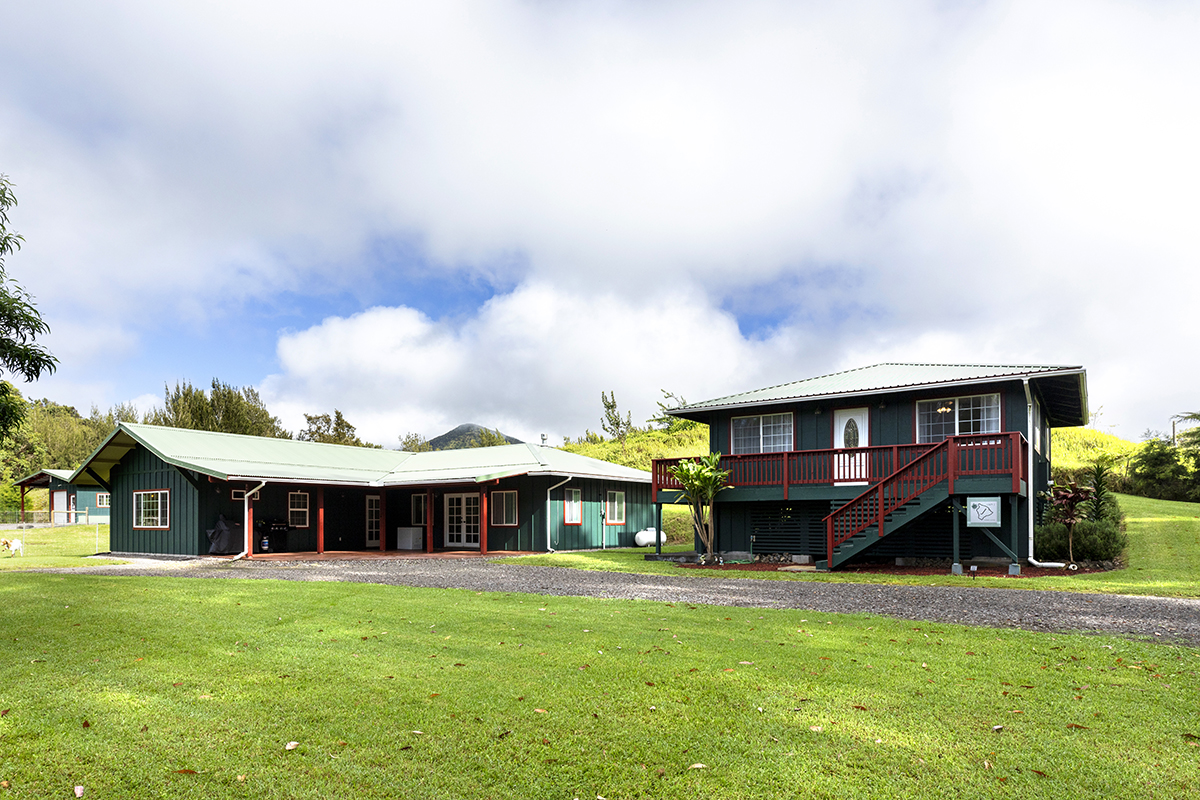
1094, 540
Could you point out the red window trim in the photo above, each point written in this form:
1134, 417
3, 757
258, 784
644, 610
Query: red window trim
166, 527
492, 510
580, 493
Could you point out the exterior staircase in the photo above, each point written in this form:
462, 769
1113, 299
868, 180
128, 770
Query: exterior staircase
888, 506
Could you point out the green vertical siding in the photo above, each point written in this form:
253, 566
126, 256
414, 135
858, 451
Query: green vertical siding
141, 470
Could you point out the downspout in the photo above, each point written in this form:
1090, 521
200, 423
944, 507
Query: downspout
1029, 495
550, 549
248, 535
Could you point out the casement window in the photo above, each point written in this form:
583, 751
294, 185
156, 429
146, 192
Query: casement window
572, 507
298, 509
240, 495
957, 416
504, 509
152, 509
103, 500
769, 433
614, 509
418, 510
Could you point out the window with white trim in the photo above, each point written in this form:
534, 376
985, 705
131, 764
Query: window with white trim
768, 433
240, 495
103, 500
418, 510
614, 509
504, 509
298, 509
572, 507
152, 509
957, 416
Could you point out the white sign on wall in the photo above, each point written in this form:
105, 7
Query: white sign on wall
983, 512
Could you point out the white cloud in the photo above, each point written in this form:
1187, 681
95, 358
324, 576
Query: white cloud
976, 182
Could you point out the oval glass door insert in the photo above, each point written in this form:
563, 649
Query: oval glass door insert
850, 434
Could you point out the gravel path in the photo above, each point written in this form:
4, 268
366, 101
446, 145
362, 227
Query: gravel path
1163, 619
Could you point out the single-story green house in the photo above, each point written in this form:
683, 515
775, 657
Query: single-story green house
69, 504
892, 460
171, 486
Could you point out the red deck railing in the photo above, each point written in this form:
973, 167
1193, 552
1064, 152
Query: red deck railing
956, 457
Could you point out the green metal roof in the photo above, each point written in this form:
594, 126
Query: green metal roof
39, 479
228, 456
894, 377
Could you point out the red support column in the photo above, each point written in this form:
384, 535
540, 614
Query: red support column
483, 521
429, 522
249, 527
320, 519
383, 520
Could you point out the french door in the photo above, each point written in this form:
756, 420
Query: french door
372, 520
462, 520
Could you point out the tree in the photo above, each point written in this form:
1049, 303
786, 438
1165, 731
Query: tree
414, 443
20, 325
701, 479
612, 423
487, 438
1190, 437
331, 430
226, 409
670, 423
1069, 501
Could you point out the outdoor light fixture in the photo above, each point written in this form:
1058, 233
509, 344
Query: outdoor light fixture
945, 410
974, 570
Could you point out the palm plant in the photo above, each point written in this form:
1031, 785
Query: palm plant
701, 480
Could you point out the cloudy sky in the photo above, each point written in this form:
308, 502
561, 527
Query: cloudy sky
430, 213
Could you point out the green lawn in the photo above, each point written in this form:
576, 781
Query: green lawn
151, 687
1163, 558
67, 546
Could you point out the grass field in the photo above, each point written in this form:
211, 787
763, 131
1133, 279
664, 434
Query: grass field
152, 687
1163, 559
67, 546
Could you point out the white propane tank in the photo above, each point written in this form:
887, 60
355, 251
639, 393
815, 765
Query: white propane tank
645, 538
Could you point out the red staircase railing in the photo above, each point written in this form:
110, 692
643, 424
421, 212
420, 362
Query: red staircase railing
956, 457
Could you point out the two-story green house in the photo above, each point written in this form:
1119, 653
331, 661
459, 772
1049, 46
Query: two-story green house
892, 460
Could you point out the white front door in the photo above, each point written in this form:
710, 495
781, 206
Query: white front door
59, 502
851, 431
372, 520
462, 520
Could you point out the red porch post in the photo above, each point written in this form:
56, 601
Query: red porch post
249, 526
483, 521
429, 522
320, 519
786, 474
383, 520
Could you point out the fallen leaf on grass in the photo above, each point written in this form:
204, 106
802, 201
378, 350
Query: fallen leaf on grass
540, 710
649, 683
435, 694
291, 745
3, 784
4, 713
186, 771
1080, 727
502, 735
1191, 736
418, 733
87, 724
79, 791
698, 766
407, 747
815, 728
861, 708
997, 728
1039, 772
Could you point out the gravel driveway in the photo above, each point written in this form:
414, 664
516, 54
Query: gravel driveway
1159, 618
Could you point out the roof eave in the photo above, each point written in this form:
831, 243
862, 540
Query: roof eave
914, 387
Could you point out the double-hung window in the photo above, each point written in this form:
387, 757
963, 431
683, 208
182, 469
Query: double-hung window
504, 509
957, 416
614, 509
768, 433
152, 509
572, 507
298, 509
103, 500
